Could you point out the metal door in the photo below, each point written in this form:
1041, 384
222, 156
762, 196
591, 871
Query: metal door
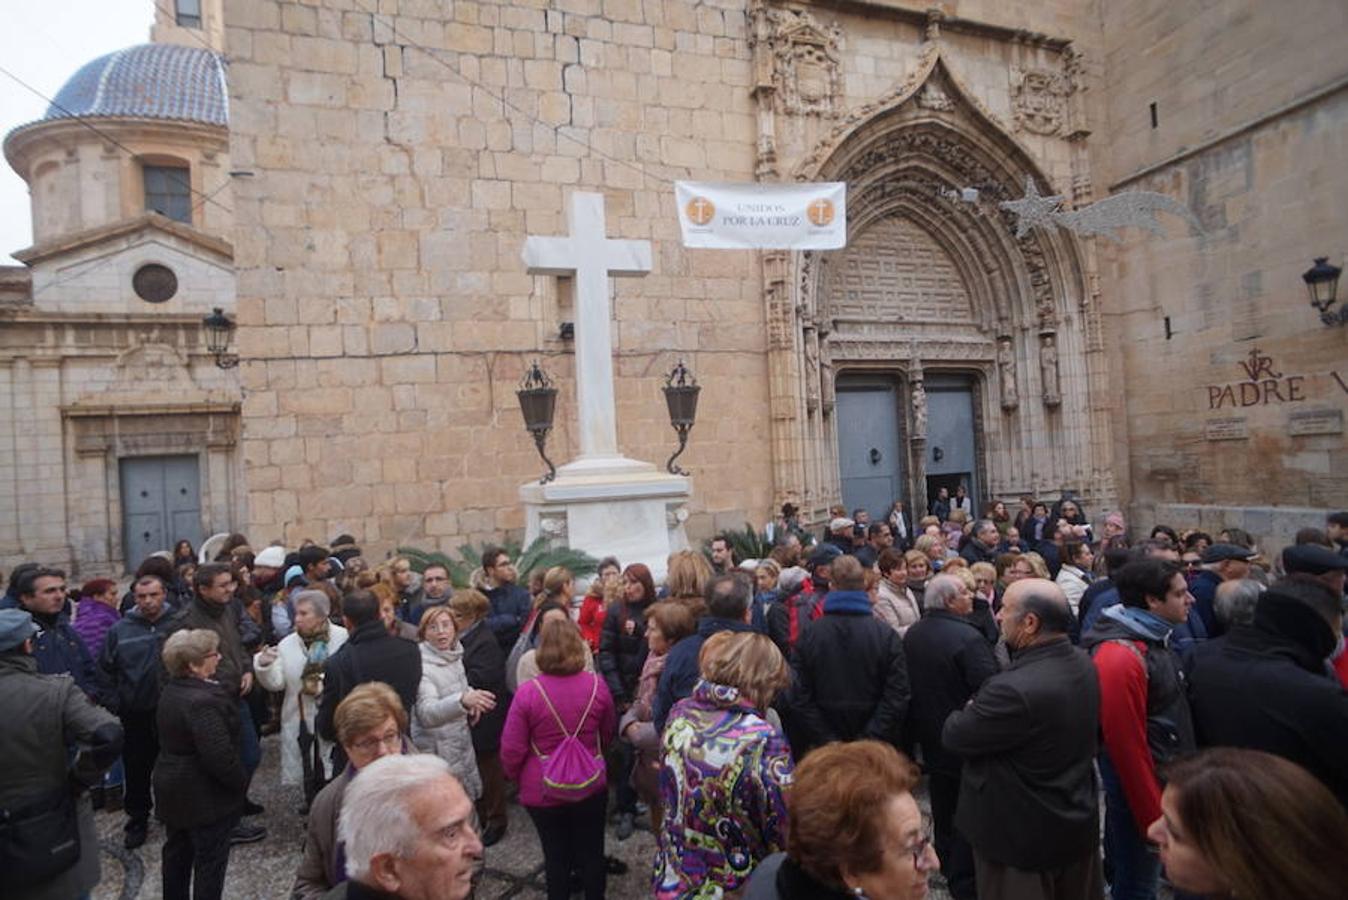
161, 504
869, 459
952, 456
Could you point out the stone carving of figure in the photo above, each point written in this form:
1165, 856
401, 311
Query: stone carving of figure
812, 373
1048, 368
919, 411
1006, 368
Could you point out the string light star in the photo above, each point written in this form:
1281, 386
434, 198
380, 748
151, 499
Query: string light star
1032, 210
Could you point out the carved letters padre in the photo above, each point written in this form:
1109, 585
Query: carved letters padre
1263, 384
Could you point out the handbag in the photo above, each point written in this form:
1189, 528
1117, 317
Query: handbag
40, 840
571, 771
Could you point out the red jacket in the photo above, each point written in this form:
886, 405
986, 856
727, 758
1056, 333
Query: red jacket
1123, 728
591, 620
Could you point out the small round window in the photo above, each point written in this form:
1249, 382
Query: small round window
155, 283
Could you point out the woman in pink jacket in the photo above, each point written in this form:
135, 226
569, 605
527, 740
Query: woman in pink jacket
562, 702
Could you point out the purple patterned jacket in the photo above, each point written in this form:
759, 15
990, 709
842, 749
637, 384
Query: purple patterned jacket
724, 769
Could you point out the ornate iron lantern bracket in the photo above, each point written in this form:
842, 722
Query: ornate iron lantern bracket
681, 390
538, 402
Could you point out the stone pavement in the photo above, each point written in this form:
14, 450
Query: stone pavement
265, 870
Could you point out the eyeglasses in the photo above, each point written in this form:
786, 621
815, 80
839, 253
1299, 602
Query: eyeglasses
919, 851
391, 740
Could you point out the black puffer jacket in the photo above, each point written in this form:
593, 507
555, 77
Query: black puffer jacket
851, 680
622, 649
198, 778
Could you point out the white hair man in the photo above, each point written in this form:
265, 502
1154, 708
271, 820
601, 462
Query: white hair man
948, 659
407, 826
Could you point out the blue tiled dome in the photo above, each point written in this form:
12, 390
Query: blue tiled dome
153, 81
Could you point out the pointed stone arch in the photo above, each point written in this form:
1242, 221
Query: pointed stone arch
907, 158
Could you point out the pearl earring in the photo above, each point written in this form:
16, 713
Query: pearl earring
858, 892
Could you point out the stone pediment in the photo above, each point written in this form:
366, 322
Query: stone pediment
222, 250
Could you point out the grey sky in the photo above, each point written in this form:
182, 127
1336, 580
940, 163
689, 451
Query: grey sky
44, 44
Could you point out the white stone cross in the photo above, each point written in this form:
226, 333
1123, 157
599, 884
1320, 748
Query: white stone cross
591, 258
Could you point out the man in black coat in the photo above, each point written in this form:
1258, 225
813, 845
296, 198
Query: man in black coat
1027, 798
728, 609
948, 660
370, 654
851, 681
1265, 686
130, 662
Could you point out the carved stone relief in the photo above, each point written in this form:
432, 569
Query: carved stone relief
933, 97
1006, 373
808, 66
1039, 100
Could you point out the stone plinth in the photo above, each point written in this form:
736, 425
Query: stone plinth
636, 515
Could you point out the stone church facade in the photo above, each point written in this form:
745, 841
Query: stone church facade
403, 152
118, 433
398, 152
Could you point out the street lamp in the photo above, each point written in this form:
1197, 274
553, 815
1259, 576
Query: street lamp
219, 329
681, 390
538, 402
1322, 281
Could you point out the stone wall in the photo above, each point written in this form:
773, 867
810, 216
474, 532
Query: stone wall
1239, 412
385, 314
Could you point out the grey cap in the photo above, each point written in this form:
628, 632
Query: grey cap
16, 626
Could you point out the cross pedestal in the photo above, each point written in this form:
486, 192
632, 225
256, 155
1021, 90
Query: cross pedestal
601, 502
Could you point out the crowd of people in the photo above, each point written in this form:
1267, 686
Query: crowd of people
772, 721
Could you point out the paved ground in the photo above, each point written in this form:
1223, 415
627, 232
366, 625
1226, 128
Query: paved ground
266, 869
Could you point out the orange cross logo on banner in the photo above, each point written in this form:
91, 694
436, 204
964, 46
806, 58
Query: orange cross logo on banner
820, 212
700, 210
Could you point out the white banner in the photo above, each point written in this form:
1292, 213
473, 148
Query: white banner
752, 216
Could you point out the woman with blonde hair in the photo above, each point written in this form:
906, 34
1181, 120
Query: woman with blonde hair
1038, 564
919, 573
724, 769
687, 580
446, 703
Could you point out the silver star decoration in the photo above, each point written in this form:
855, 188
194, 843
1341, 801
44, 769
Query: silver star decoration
1131, 209
1032, 210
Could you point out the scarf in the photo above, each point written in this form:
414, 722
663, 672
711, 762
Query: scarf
315, 655
647, 684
